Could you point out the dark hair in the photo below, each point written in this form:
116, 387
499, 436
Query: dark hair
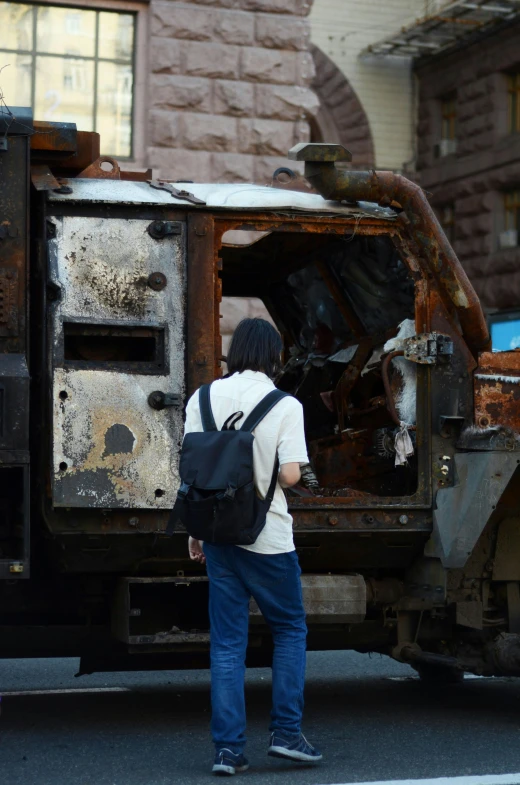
255, 346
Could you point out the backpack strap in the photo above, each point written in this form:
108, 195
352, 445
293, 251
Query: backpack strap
256, 416
274, 480
206, 415
263, 408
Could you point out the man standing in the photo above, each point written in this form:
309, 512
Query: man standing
267, 570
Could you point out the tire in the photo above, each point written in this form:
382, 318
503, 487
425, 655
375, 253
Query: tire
439, 675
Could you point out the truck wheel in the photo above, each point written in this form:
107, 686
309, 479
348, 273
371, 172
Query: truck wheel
438, 675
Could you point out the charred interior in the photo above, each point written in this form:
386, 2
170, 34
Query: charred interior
342, 304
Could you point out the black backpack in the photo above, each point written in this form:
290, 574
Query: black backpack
217, 501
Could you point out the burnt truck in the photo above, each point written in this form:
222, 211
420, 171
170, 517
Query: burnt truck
111, 285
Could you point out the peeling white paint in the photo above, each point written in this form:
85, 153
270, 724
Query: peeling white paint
102, 267
498, 378
225, 196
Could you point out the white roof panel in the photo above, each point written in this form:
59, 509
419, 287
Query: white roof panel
216, 196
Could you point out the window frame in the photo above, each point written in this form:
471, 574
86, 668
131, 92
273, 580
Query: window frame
446, 101
138, 61
513, 102
511, 205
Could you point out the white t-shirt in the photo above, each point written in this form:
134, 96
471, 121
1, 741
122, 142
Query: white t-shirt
281, 429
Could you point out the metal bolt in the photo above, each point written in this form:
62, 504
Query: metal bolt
333, 521
158, 228
157, 281
403, 520
133, 521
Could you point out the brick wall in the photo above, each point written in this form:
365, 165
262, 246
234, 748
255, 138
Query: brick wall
229, 87
487, 161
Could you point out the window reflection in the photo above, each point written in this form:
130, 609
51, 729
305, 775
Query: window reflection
114, 104
66, 31
71, 65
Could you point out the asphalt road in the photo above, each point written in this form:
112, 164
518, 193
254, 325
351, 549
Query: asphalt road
373, 719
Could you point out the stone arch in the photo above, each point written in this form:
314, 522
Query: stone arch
341, 118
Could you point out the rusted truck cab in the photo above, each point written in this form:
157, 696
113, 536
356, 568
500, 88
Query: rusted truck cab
111, 289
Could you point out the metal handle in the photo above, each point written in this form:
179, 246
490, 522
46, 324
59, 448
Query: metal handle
159, 400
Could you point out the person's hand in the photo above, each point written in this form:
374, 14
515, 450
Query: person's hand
196, 552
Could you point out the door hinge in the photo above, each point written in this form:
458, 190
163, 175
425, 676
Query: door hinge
428, 348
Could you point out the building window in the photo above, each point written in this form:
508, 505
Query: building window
508, 237
448, 126
446, 216
71, 65
505, 331
513, 89
449, 117
512, 210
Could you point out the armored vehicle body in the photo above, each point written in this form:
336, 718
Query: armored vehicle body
407, 520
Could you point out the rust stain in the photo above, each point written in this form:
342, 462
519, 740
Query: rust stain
497, 390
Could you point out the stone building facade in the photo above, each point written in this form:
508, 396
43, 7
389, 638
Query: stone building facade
229, 87
474, 177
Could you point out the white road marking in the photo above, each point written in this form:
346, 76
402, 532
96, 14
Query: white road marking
414, 677
486, 779
402, 678
18, 693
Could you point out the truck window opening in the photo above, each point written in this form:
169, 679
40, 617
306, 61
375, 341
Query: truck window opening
337, 301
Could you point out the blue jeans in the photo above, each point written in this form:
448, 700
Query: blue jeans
274, 581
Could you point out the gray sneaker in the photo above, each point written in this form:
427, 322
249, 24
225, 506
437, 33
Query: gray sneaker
228, 763
297, 749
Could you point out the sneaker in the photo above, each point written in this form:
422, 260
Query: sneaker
299, 749
228, 763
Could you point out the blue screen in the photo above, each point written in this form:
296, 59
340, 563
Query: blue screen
505, 335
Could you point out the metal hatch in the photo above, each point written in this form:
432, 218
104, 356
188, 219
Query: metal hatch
117, 347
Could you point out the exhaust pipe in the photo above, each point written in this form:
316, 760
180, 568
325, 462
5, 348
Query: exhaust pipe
385, 188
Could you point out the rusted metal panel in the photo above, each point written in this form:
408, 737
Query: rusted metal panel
42, 178
14, 216
9, 301
202, 307
110, 171
327, 599
111, 448
54, 137
497, 390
